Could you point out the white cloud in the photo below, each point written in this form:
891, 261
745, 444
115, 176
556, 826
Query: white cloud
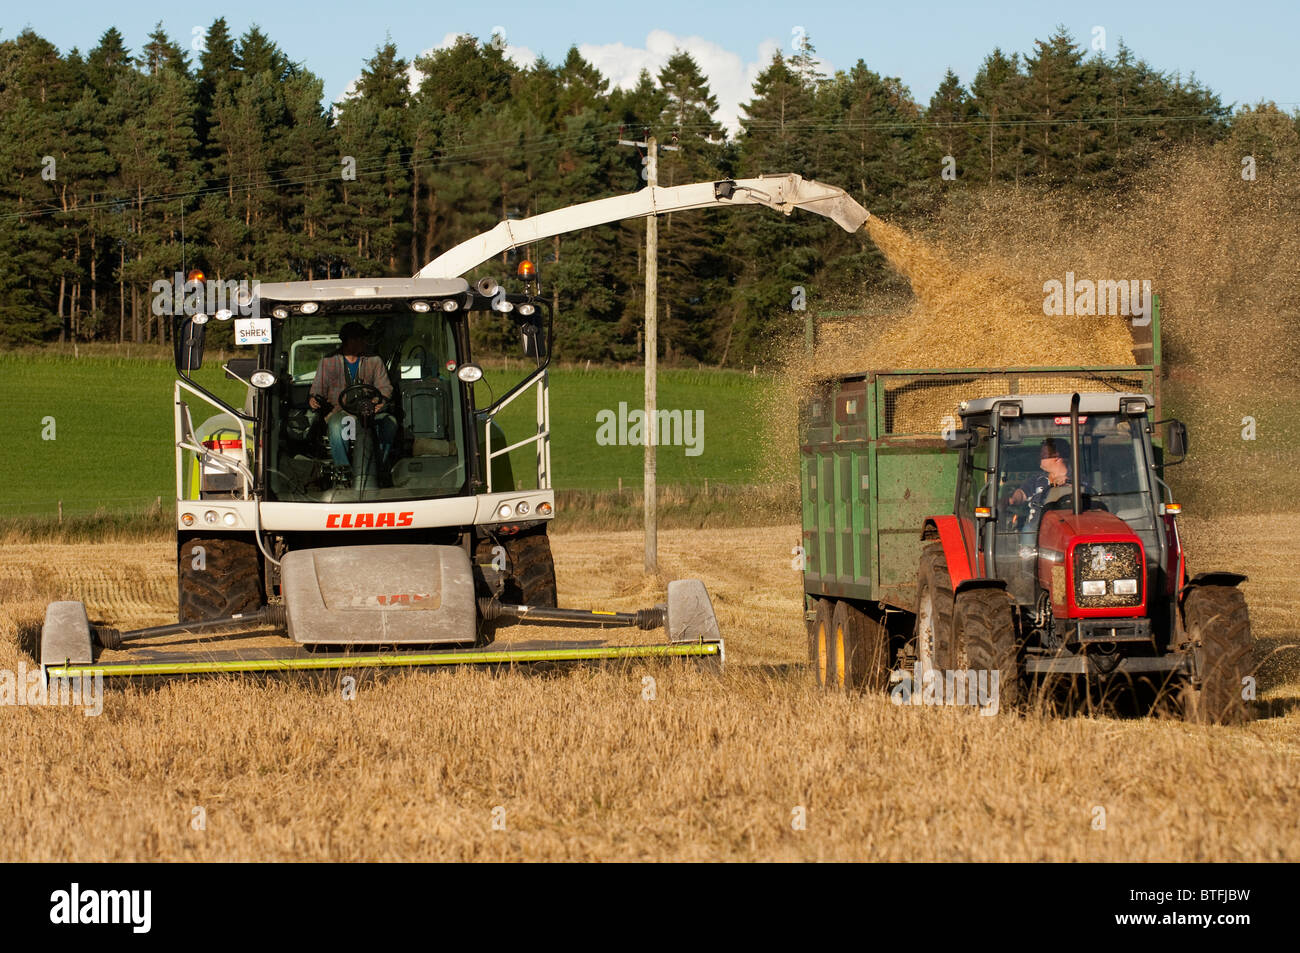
731, 78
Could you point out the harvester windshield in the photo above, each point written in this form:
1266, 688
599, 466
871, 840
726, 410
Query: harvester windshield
377, 416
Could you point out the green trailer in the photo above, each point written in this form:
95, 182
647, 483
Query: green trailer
919, 550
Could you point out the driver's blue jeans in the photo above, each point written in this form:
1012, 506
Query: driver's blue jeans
384, 423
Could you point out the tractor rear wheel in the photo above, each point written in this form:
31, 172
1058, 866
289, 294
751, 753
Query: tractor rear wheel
820, 642
935, 646
860, 654
217, 576
986, 638
1219, 626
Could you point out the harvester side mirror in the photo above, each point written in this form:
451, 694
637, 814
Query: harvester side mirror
1176, 441
189, 345
533, 341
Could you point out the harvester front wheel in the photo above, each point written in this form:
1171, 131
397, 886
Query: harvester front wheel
1219, 626
986, 638
860, 649
532, 569
935, 646
217, 576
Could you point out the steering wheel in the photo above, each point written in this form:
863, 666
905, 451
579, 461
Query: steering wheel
1013, 515
359, 399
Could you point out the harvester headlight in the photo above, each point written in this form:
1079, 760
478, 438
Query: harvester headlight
228, 519
451, 304
210, 516
281, 313
225, 314
1125, 587
1094, 587
505, 307
310, 307
187, 519
420, 306
522, 509
262, 379
200, 318
544, 509
527, 309
505, 511
469, 373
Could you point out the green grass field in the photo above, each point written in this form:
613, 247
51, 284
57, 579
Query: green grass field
112, 429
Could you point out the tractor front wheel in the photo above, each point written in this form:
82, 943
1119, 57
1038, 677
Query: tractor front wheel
1219, 626
986, 636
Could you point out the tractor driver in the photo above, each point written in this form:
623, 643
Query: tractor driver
352, 365
1056, 472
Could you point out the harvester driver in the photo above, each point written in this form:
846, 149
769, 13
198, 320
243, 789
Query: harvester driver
337, 372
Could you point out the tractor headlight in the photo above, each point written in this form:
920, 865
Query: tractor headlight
505, 511
420, 307
522, 509
1094, 587
543, 509
187, 519
309, 307
210, 516
1126, 587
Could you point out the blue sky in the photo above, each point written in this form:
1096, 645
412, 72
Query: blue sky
1245, 51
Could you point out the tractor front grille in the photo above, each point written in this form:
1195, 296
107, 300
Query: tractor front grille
1108, 567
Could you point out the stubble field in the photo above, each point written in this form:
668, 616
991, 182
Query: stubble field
582, 764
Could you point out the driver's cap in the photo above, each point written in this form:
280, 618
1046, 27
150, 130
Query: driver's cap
353, 329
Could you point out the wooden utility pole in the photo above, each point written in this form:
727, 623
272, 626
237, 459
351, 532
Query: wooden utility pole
650, 427
651, 431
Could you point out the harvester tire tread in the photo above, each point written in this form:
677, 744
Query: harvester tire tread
934, 577
986, 638
532, 570
1218, 623
228, 579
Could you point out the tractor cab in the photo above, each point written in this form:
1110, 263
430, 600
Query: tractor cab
1059, 501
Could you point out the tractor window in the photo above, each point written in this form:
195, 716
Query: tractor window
1034, 454
402, 435
1034, 469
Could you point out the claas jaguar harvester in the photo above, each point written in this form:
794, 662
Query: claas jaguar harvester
928, 574
402, 536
